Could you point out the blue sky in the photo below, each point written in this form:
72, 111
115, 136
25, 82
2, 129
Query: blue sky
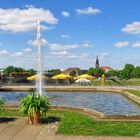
73, 33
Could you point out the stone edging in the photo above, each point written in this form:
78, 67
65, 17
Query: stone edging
95, 114
131, 96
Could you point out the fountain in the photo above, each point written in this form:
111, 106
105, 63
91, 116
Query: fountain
39, 81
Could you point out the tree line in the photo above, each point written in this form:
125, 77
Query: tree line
129, 71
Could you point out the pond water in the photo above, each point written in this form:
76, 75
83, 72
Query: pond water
105, 102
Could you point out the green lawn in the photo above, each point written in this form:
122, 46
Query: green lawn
107, 83
72, 123
135, 92
133, 82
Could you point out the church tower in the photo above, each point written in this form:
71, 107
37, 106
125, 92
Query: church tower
97, 62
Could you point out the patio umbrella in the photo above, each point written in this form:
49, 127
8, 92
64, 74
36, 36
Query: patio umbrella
82, 80
35, 77
62, 76
85, 76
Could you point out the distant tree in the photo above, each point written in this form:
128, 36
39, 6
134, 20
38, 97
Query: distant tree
123, 74
56, 71
11, 69
53, 72
91, 71
112, 73
31, 72
97, 72
126, 73
136, 72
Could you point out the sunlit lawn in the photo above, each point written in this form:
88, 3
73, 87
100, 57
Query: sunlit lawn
72, 123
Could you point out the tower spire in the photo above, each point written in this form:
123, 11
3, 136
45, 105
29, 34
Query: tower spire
97, 62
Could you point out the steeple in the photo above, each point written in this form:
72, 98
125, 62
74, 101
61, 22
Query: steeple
97, 62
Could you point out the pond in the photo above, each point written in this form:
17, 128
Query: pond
105, 102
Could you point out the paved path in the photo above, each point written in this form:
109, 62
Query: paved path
18, 129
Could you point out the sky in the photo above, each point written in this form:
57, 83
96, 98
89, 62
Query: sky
73, 33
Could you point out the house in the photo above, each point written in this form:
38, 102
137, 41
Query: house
105, 68
72, 71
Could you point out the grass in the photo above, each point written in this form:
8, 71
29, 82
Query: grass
72, 123
10, 112
135, 92
107, 83
133, 82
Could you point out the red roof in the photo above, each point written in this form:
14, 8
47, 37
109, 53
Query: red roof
105, 68
72, 69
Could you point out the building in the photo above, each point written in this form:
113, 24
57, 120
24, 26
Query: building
97, 62
105, 68
73, 71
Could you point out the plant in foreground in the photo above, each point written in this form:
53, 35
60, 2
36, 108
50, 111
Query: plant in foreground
1, 103
35, 106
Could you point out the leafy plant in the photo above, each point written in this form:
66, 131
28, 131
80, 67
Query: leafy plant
34, 106
1, 103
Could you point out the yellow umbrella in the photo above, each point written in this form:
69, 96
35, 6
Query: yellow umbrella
85, 76
62, 76
35, 77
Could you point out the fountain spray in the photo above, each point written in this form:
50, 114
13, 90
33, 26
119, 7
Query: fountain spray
39, 69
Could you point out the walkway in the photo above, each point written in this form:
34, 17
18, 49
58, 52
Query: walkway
68, 88
17, 129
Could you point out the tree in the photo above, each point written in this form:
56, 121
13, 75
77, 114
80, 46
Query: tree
97, 72
128, 69
126, 73
136, 72
31, 72
91, 71
11, 69
111, 73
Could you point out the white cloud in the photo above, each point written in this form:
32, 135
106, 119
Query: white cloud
63, 55
58, 47
55, 46
4, 53
22, 20
29, 6
121, 44
88, 11
17, 54
133, 28
44, 42
88, 44
65, 36
60, 53
65, 14
136, 44
103, 55
27, 50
